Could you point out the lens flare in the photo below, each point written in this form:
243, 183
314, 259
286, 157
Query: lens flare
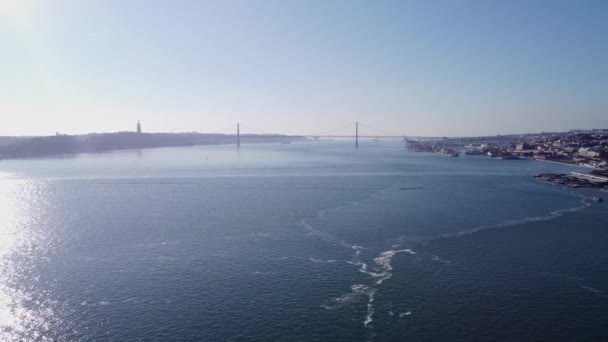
12, 7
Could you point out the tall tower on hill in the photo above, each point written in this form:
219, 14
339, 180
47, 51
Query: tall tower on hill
138, 127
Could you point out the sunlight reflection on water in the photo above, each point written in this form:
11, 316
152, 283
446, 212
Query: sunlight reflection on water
26, 311
8, 319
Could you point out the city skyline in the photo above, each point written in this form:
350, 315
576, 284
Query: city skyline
470, 68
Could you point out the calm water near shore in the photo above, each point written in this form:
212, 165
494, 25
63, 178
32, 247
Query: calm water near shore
310, 241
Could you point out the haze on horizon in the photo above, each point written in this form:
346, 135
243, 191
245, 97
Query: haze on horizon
303, 67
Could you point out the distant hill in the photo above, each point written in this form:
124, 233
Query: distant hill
90, 143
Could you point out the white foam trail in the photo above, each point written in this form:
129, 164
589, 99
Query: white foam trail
403, 314
592, 289
580, 282
551, 216
157, 244
357, 291
320, 214
384, 260
438, 259
321, 261
356, 248
361, 264
369, 318
312, 231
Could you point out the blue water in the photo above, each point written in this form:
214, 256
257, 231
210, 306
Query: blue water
312, 241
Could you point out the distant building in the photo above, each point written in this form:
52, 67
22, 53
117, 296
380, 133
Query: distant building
138, 127
589, 152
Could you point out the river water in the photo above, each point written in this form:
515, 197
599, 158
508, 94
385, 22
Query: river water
311, 241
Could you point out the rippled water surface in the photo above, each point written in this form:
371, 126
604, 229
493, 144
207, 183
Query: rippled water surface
303, 242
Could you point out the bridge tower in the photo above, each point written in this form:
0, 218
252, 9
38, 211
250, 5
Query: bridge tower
357, 134
238, 135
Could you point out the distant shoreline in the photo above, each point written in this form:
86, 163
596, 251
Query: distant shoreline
562, 163
35, 147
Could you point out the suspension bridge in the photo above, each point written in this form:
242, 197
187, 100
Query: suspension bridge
354, 130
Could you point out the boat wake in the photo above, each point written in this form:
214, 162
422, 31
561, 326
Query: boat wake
358, 292
381, 271
378, 272
321, 261
379, 268
551, 216
580, 283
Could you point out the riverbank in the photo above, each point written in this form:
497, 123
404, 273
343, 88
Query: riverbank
94, 143
564, 163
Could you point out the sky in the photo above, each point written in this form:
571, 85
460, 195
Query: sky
428, 67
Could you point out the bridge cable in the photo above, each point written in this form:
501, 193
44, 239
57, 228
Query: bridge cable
335, 130
379, 130
223, 129
259, 130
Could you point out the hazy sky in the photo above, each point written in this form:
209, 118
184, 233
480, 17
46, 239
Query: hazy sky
409, 67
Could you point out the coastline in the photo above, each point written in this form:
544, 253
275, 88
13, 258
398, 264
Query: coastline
570, 164
69, 145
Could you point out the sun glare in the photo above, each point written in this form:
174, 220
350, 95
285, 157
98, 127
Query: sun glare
13, 8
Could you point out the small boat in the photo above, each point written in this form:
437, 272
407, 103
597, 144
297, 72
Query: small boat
598, 199
450, 153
